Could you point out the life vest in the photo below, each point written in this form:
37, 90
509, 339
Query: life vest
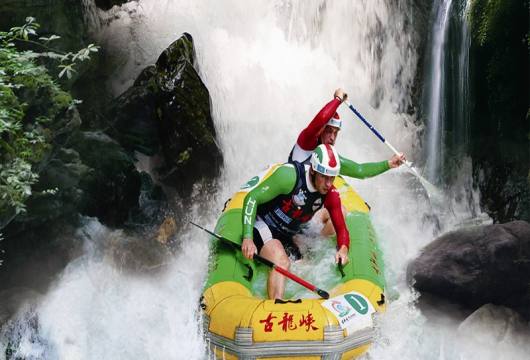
286, 213
298, 154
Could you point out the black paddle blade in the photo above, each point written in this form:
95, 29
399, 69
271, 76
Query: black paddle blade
323, 294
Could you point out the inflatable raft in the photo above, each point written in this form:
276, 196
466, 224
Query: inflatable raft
240, 324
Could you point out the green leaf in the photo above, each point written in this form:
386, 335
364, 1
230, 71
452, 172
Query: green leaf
51, 38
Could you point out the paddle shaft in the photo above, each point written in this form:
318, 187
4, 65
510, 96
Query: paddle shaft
359, 115
270, 264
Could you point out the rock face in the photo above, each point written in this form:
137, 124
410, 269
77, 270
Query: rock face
500, 120
167, 113
107, 4
63, 17
476, 266
112, 184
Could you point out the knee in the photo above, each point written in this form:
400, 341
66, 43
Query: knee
284, 261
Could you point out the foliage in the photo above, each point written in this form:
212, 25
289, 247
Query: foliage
32, 107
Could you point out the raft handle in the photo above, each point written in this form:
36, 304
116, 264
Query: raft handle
341, 268
280, 301
382, 301
202, 304
250, 274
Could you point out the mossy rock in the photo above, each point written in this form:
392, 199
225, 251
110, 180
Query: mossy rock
112, 186
167, 113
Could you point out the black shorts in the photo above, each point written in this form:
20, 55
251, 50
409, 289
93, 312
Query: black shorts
263, 233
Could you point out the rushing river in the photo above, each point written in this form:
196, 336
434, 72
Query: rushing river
269, 67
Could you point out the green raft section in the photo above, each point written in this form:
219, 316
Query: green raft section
228, 264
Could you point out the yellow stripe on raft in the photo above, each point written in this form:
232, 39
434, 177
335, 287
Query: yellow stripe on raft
349, 198
230, 305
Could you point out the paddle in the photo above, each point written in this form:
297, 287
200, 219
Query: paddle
431, 189
270, 264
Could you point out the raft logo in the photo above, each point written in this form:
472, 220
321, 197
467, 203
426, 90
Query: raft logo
339, 308
357, 302
352, 310
252, 182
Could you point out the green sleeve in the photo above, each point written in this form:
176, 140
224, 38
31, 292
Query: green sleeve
281, 181
362, 171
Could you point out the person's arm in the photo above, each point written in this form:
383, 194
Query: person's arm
308, 138
333, 205
362, 171
281, 181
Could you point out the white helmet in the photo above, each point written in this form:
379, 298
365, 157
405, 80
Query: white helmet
325, 160
335, 121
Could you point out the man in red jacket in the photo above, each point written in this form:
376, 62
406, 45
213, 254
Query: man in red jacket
324, 129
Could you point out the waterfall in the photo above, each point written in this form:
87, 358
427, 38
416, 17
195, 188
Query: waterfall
435, 111
446, 92
269, 66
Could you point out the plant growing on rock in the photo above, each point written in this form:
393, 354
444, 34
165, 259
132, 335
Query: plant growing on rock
35, 113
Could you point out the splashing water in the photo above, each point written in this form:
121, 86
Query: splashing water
269, 67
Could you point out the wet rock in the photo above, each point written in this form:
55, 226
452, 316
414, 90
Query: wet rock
107, 4
167, 112
493, 332
112, 186
136, 254
134, 116
11, 300
478, 265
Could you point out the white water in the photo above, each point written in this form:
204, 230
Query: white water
269, 66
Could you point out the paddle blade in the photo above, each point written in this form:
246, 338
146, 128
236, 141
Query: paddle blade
323, 294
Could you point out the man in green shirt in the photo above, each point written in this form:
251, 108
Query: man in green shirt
275, 209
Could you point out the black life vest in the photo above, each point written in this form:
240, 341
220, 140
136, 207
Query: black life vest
286, 213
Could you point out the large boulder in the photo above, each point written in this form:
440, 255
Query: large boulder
478, 265
167, 113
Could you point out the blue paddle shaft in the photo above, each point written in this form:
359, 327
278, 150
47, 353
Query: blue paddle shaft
366, 122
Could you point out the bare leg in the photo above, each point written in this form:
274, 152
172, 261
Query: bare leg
273, 250
328, 229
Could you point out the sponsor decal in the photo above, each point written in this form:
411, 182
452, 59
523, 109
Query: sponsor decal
352, 310
286, 219
299, 198
340, 309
